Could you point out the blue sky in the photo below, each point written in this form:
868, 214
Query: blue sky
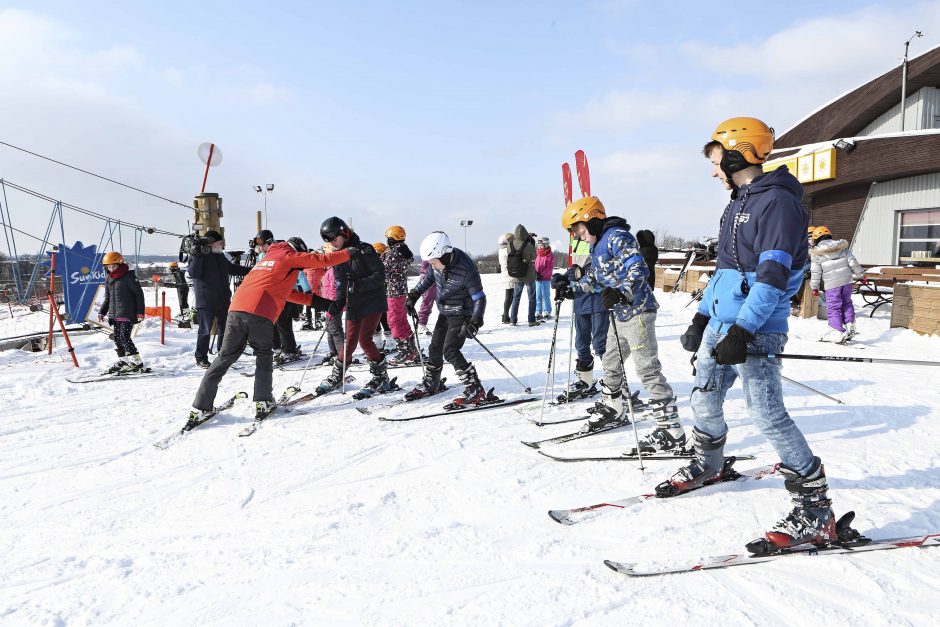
413, 113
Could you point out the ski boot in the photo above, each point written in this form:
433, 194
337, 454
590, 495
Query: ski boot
850, 330
379, 383
810, 522
132, 364
430, 385
667, 437
407, 352
326, 361
423, 329
263, 409
117, 367
473, 391
286, 357
333, 381
834, 336
318, 321
606, 412
583, 385
307, 326
708, 466
196, 418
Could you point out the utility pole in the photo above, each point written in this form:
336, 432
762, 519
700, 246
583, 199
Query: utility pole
907, 44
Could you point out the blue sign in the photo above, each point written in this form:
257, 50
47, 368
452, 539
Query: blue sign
81, 272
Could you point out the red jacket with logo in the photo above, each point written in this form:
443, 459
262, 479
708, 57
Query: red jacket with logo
270, 284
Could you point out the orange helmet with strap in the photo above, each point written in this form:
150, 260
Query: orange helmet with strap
396, 233
112, 257
746, 141
582, 210
819, 231
379, 247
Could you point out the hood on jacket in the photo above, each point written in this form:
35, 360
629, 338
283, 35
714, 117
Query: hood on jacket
829, 246
779, 178
645, 237
521, 234
613, 221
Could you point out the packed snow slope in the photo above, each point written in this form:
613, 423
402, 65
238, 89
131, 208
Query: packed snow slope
329, 516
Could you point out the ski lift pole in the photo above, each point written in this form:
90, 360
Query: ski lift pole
163, 318
527, 389
52, 306
55, 310
869, 360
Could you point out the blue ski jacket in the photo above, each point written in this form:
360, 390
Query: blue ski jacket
762, 250
616, 262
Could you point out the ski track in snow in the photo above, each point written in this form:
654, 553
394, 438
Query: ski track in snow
326, 515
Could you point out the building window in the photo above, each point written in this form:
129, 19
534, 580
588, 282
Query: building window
919, 236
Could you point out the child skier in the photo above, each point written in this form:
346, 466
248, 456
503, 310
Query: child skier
835, 264
619, 272
544, 266
124, 301
427, 301
397, 261
460, 303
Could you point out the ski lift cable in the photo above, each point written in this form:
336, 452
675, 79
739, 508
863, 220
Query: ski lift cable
136, 189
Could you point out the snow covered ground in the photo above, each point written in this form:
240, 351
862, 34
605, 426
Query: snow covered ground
329, 516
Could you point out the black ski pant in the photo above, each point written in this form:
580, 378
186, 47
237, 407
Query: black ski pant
335, 335
123, 343
243, 329
446, 343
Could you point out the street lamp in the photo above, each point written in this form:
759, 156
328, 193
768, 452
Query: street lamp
268, 188
466, 224
907, 43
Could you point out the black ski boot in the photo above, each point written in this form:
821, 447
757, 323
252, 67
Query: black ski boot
286, 357
379, 383
583, 385
606, 412
431, 384
473, 392
811, 520
667, 437
263, 409
333, 380
707, 467
407, 352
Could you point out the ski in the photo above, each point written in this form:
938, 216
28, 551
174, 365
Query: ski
581, 514
283, 401
629, 457
173, 437
140, 374
370, 408
365, 393
449, 412
577, 435
862, 545
685, 268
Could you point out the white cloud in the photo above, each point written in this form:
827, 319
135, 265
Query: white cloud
265, 92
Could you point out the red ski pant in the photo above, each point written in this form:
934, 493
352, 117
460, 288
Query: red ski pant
359, 333
398, 318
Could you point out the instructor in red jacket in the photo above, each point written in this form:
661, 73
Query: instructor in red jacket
255, 308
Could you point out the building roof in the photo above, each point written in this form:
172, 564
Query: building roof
851, 112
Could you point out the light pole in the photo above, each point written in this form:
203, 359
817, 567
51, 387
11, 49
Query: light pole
907, 43
466, 224
268, 188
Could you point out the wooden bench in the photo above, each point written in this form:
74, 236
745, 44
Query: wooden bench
882, 280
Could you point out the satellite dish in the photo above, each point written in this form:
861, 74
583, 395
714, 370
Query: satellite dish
209, 154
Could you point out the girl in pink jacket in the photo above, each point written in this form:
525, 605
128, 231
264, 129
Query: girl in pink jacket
544, 266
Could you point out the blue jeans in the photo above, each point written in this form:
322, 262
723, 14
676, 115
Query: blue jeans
763, 393
543, 297
590, 330
517, 296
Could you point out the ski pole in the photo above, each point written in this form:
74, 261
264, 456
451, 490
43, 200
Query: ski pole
806, 387
551, 354
626, 386
869, 360
527, 389
343, 353
314, 352
570, 350
414, 322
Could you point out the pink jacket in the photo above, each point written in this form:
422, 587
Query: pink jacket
544, 263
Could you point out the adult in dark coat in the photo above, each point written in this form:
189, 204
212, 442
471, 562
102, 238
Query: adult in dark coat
647, 242
211, 276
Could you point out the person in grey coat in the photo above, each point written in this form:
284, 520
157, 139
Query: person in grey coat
837, 267
503, 254
520, 264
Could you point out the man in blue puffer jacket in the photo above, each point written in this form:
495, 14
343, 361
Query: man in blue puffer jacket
742, 318
460, 303
619, 273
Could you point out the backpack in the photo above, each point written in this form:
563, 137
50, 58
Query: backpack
517, 266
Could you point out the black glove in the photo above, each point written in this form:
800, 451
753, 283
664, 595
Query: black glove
335, 309
318, 303
411, 301
354, 253
470, 327
574, 273
560, 284
733, 348
611, 297
559, 280
405, 252
692, 338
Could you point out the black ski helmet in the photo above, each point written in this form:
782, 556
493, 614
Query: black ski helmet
298, 245
333, 227
266, 236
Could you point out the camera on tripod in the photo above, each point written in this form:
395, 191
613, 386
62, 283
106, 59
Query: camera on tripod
194, 245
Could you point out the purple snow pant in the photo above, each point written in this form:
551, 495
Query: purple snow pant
839, 308
427, 303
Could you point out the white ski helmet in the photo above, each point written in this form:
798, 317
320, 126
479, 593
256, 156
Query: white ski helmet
435, 245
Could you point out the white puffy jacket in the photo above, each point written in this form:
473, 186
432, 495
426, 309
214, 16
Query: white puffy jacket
834, 263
